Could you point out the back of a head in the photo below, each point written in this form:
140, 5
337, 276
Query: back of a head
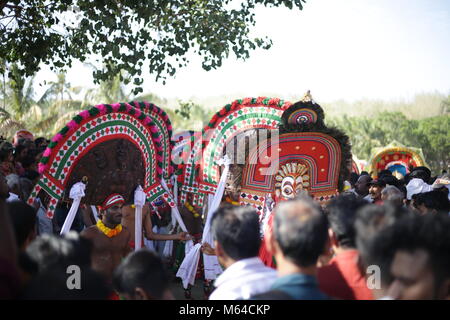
341, 215
51, 251
23, 218
13, 181
370, 221
384, 173
142, 269
393, 195
237, 231
421, 173
427, 232
390, 180
301, 230
434, 200
353, 178
54, 285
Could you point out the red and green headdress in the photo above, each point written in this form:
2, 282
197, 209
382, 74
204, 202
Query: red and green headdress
395, 157
202, 172
305, 156
116, 147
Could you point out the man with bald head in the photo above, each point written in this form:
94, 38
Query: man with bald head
299, 236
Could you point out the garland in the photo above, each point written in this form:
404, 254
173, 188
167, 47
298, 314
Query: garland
191, 209
108, 231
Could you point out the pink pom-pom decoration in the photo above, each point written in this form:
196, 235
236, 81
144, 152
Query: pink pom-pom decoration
153, 129
58, 137
101, 108
41, 168
72, 125
47, 152
159, 170
247, 101
115, 106
137, 113
147, 120
84, 114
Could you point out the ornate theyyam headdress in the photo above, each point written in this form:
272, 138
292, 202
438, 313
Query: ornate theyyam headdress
202, 172
395, 157
117, 147
306, 155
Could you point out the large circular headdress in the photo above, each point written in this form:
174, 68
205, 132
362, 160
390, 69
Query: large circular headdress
115, 147
395, 157
203, 171
305, 156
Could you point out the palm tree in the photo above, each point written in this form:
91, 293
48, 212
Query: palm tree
17, 100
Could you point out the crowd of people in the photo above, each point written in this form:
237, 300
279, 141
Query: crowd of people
381, 238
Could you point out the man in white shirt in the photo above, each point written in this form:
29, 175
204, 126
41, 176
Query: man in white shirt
237, 242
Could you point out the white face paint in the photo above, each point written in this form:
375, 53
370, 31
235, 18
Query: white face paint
292, 178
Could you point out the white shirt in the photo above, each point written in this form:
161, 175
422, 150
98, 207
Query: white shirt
12, 197
243, 279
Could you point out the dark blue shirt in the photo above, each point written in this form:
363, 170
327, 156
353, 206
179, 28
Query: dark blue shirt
299, 287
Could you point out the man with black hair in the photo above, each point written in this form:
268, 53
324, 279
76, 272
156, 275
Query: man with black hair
299, 236
421, 172
375, 188
362, 186
421, 257
385, 173
370, 221
434, 201
142, 276
342, 277
56, 259
110, 240
237, 242
23, 218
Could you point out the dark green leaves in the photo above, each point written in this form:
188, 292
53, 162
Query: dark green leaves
128, 32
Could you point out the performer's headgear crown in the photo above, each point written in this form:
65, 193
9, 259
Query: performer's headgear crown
112, 200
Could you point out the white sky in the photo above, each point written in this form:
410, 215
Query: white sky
347, 49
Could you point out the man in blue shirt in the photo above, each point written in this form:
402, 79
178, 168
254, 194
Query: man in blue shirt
298, 238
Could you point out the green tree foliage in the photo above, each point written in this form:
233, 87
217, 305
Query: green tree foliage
431, 134
126, 33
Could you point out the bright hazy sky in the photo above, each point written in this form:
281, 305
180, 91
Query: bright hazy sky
347, 49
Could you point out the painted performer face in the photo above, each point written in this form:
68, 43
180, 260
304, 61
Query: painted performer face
292, 178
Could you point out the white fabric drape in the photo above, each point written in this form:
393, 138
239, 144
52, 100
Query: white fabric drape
139, 201
189, 265
76, 193
176, 213
94, 211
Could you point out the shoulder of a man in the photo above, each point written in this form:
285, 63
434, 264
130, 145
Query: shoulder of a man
272, 295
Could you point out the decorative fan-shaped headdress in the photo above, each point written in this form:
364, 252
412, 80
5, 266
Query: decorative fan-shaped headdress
305, 156
395, 157
202, 172
115, 148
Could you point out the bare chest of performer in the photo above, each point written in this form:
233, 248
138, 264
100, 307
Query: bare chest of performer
109, 238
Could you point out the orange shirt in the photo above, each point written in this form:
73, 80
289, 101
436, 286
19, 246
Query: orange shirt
342, 279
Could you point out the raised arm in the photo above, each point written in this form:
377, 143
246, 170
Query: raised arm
150, 235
